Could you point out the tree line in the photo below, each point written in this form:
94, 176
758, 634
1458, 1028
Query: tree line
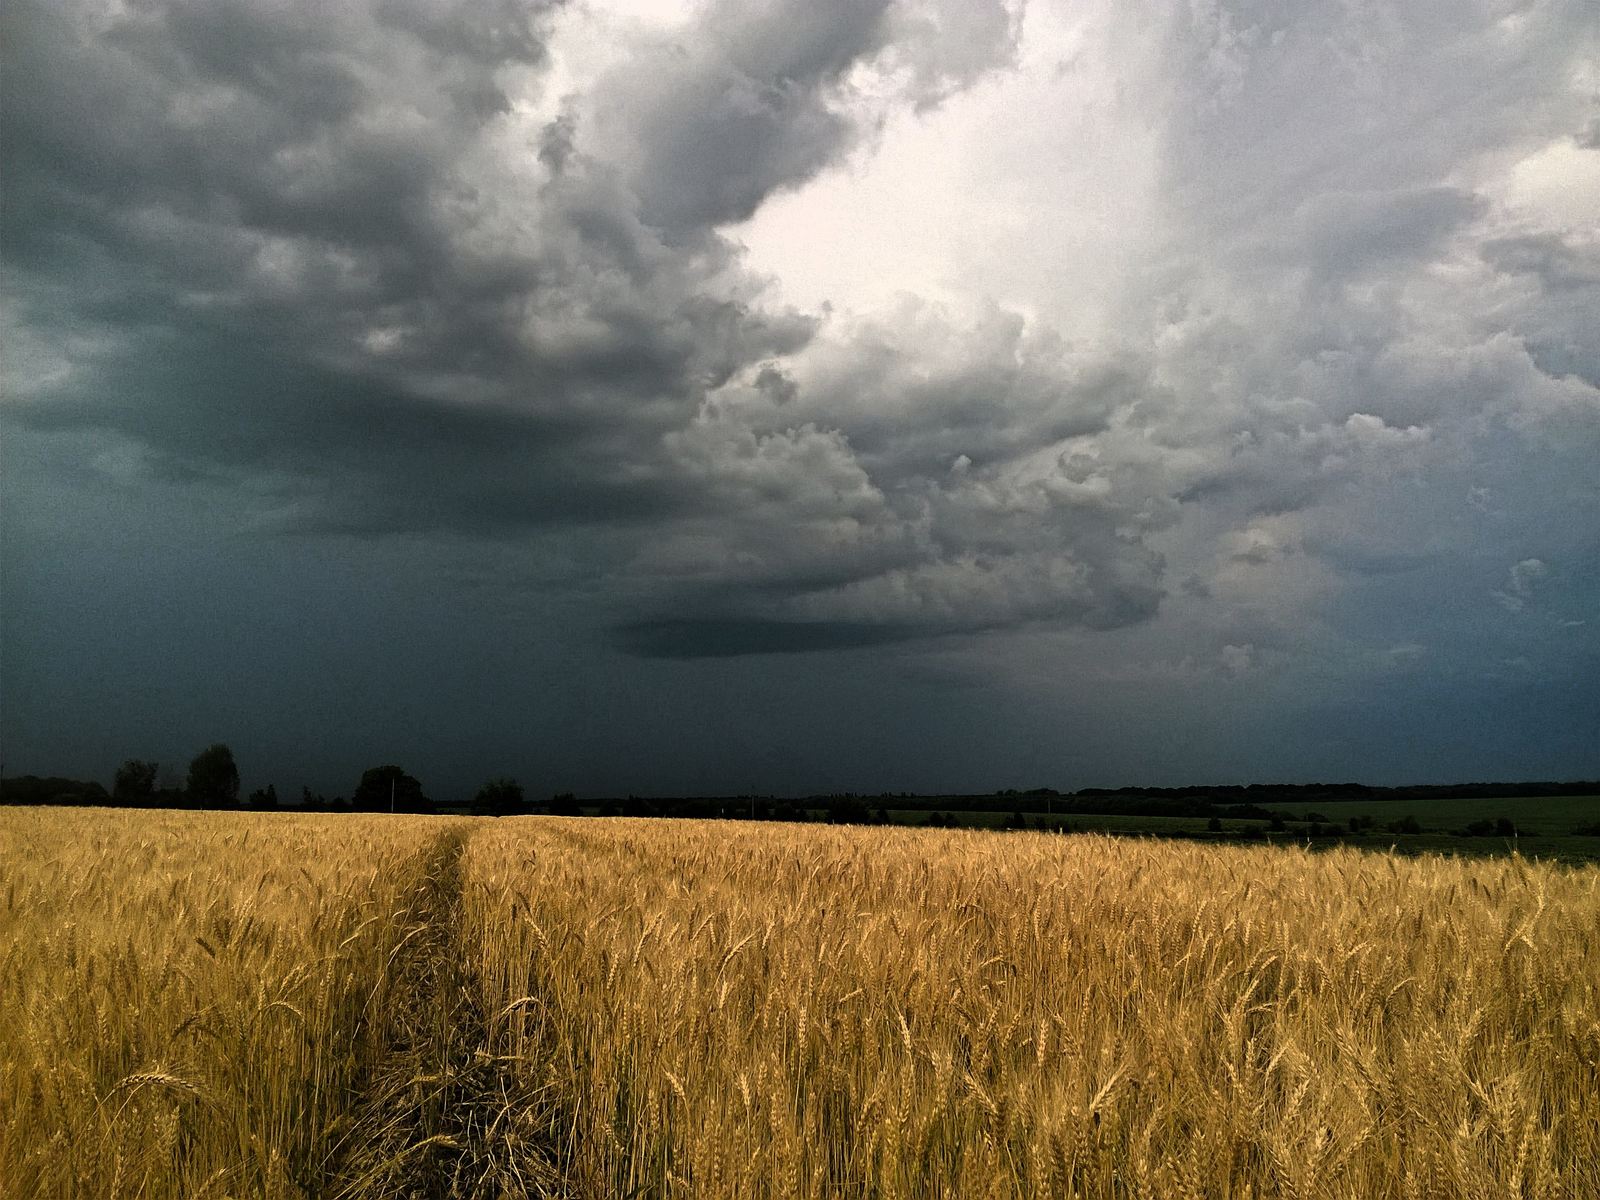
212, 782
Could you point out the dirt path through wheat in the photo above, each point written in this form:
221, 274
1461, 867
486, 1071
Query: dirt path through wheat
443, 1117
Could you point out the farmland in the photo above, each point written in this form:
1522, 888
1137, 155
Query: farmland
1563, 827
189, 1000
280, 1005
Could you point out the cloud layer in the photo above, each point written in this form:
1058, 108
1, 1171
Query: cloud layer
1193, 334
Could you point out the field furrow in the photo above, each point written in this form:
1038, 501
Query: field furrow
441, 1114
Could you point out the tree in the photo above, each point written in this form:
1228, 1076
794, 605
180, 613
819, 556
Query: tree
264, 797
500, 798
848, 810
213, 776
565, 804
135, 782
388, 787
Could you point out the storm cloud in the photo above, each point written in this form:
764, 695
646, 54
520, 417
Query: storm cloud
1182, 347
328, 250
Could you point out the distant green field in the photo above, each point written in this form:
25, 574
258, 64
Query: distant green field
1545, 824
1549, 838
1084, 822
1534, 815
1552, 816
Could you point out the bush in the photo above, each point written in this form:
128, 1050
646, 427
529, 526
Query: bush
1406, 824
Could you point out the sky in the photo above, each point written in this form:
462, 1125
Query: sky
798, 396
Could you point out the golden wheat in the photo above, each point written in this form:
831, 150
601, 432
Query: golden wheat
268, 1005
188, 1000
735, 1010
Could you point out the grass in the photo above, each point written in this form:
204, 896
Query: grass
281, 1006
1537, 815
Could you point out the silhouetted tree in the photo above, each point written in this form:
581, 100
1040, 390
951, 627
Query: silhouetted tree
213, 776
565, 804
386, 787
266, 797
51, 789
135, 782
500, 798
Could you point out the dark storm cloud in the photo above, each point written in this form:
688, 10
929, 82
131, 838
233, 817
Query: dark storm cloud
314, 251
1555, 260
688, 638
711, 126
1560, 329
719, 124
270, 225
920, 474
1364, 560
331, 255
351, 346
1344, 232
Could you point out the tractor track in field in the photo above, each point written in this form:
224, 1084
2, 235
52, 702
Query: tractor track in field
443, 1117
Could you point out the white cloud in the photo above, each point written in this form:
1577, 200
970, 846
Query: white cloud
1522, 581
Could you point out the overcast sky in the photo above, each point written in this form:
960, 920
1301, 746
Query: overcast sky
800, 395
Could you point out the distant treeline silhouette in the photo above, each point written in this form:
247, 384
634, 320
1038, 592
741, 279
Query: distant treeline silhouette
212, 782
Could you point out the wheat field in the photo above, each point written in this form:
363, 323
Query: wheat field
188, 999
761, 1011
271, 1005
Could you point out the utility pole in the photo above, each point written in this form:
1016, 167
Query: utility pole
391, 794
